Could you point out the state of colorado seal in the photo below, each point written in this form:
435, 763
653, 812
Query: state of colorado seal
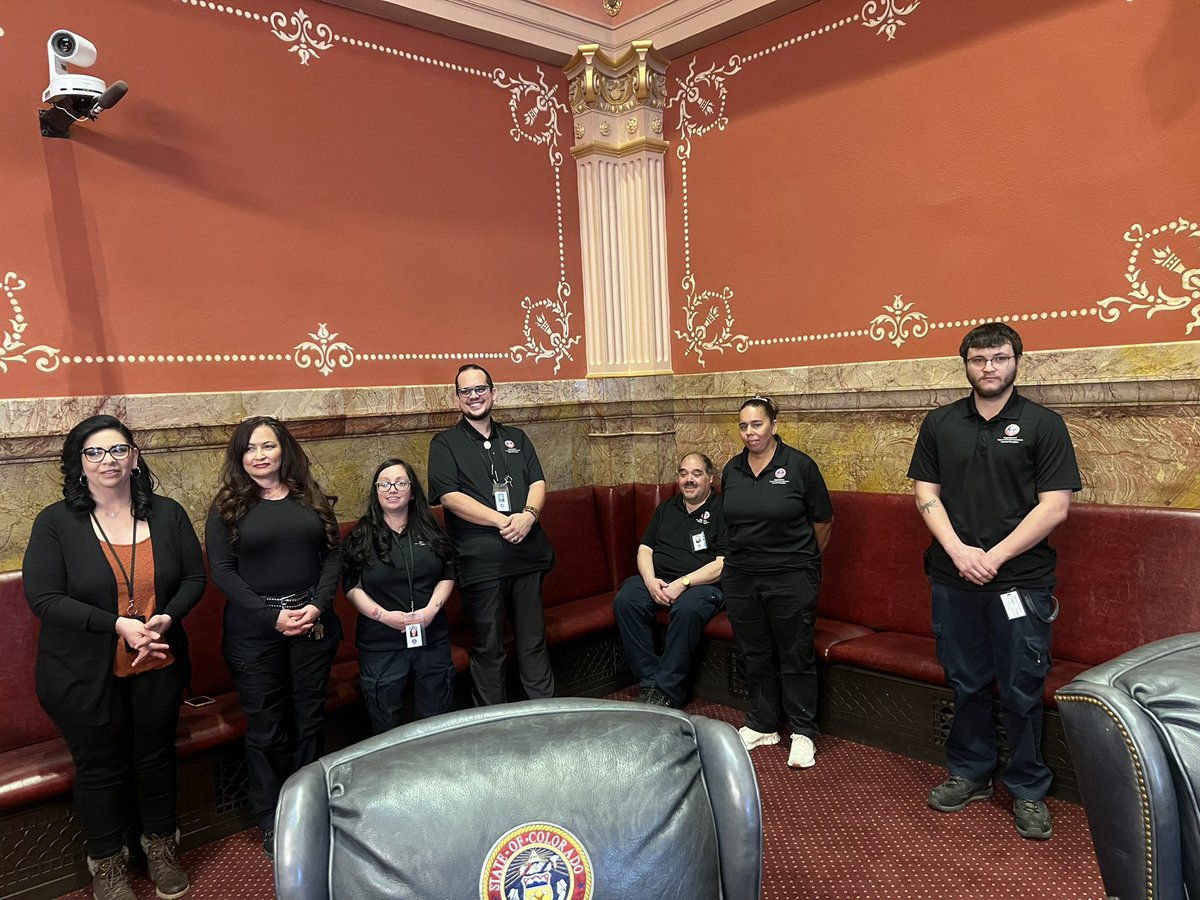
536, 861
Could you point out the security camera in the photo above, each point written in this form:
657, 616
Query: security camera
73, 97
67, 47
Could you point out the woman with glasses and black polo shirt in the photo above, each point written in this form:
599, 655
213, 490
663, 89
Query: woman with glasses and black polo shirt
779, 517
399, 573
111, 570
272, 542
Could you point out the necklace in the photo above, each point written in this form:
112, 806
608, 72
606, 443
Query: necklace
278, 492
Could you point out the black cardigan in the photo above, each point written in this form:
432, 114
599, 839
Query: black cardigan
70, 586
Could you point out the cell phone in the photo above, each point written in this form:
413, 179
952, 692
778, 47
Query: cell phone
199, 700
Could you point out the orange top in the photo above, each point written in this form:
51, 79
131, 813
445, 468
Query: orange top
142, 605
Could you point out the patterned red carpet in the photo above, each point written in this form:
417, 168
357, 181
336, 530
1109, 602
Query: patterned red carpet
854, 827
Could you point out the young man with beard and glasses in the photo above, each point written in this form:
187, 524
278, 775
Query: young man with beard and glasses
489, 481
994, 473
679, 564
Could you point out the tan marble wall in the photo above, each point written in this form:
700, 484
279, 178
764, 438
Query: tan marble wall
1134, 414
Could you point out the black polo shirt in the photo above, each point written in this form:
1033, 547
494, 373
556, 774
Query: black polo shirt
991, 473
458, 461
770, 515
670, 531
405, 583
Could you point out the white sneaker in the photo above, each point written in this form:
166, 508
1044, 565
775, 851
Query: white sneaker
751, 738
802, 753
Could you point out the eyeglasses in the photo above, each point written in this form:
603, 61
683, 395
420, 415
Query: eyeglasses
999, 361
116, 451
478, 391
384, 486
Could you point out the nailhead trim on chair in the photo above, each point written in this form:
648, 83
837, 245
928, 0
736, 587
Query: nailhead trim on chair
1143, 794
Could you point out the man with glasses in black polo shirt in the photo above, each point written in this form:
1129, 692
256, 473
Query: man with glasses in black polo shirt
679, 566
489, 481
993, 476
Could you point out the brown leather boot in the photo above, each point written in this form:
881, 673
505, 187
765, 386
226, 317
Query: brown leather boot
110, 878
162, 861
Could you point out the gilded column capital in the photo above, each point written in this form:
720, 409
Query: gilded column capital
637, 78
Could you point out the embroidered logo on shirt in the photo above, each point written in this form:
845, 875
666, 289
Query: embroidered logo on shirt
703, 519
1011, 431
510, 447
537, 861
780, 476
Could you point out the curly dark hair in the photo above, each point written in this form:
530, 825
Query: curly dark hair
372, 536
239, 492
142, 482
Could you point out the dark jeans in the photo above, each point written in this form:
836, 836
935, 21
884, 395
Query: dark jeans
635, 610
486, 604
281, 684
977, 644
133, 754
773, 618
384, 676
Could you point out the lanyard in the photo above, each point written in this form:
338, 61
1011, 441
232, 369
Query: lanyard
127, 576
485, 447
409, 565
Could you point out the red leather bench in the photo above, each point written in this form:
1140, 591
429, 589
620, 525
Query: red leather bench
1126, 577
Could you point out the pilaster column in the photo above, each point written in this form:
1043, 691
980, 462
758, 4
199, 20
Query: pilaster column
618, 108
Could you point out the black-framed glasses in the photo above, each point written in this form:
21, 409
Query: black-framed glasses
477, 391
384, 486
999, 361
116, 451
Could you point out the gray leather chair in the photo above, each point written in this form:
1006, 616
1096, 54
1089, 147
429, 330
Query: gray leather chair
1133, 727
561, 799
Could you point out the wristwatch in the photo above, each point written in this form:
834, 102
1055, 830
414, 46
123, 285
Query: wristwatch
685, 581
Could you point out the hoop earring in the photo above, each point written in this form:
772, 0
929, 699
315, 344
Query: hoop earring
137, 472
83, 481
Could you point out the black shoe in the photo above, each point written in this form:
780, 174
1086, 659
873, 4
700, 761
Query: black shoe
956, 792
269, 842
1033, 819
658, 698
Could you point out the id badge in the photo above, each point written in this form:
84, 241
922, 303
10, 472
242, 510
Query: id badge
699, 541
1013, 607
415, 635
503, 499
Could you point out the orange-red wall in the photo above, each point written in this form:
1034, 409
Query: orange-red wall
238, 198
992, 159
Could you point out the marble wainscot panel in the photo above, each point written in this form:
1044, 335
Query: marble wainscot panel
1134, 414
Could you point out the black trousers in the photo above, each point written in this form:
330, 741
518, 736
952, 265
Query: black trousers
132, 755
384, 676
281, 684
487, 604
773, 618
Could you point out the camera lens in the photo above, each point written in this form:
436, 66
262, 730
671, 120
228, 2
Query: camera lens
64, 43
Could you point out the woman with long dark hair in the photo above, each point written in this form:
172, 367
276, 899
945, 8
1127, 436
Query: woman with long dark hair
111, 570
779, 516
399, 572
272, 542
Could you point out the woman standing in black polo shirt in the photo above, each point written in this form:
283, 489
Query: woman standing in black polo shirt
399, 573
779, 517
272, 543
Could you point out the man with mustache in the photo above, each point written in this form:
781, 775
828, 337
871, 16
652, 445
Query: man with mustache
993, 475
679, 566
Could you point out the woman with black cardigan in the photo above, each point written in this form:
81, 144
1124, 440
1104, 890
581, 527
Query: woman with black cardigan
272, 542
111, 571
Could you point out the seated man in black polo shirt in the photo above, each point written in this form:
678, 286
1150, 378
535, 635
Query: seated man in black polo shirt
679, 561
